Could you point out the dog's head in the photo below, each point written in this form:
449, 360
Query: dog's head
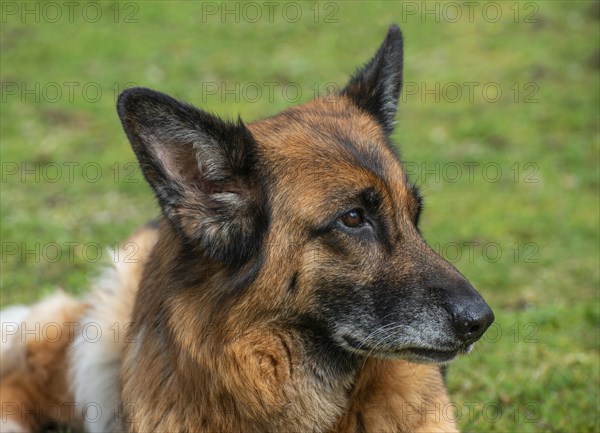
316, 198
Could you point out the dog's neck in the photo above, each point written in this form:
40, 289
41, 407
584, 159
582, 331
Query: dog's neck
231, 363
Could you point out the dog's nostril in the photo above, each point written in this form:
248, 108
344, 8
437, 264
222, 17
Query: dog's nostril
472, 328
468, 328
475, 331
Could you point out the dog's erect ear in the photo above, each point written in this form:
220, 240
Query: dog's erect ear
376, 87
202, 169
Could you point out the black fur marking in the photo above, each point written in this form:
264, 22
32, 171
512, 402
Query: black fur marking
419, 203
360, 423
376, 87
444, 372
332, 361
244, 277
372, 200
240, 276
339, 294
293, 286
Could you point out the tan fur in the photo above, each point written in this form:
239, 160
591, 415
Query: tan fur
398, 396
36, 392
196, 359
37, 389
237, 369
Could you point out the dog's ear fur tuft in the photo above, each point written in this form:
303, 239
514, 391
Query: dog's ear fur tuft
203, 171
376, 87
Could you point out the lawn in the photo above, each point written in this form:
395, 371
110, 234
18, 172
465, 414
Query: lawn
499, 124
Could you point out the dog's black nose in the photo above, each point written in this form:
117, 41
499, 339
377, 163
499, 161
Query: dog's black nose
471, 316
472, 321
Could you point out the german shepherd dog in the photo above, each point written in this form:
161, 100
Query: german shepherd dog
285, 288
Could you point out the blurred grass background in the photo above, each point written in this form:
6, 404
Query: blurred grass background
526, 235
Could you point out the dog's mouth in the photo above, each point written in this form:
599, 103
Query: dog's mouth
416, 354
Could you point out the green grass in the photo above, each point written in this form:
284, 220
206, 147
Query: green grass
538, 368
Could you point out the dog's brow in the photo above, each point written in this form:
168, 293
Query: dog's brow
369, 160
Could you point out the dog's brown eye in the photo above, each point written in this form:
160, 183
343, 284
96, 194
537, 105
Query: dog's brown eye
352, 219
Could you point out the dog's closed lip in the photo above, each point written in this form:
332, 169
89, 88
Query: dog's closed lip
429, 355
410, 353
